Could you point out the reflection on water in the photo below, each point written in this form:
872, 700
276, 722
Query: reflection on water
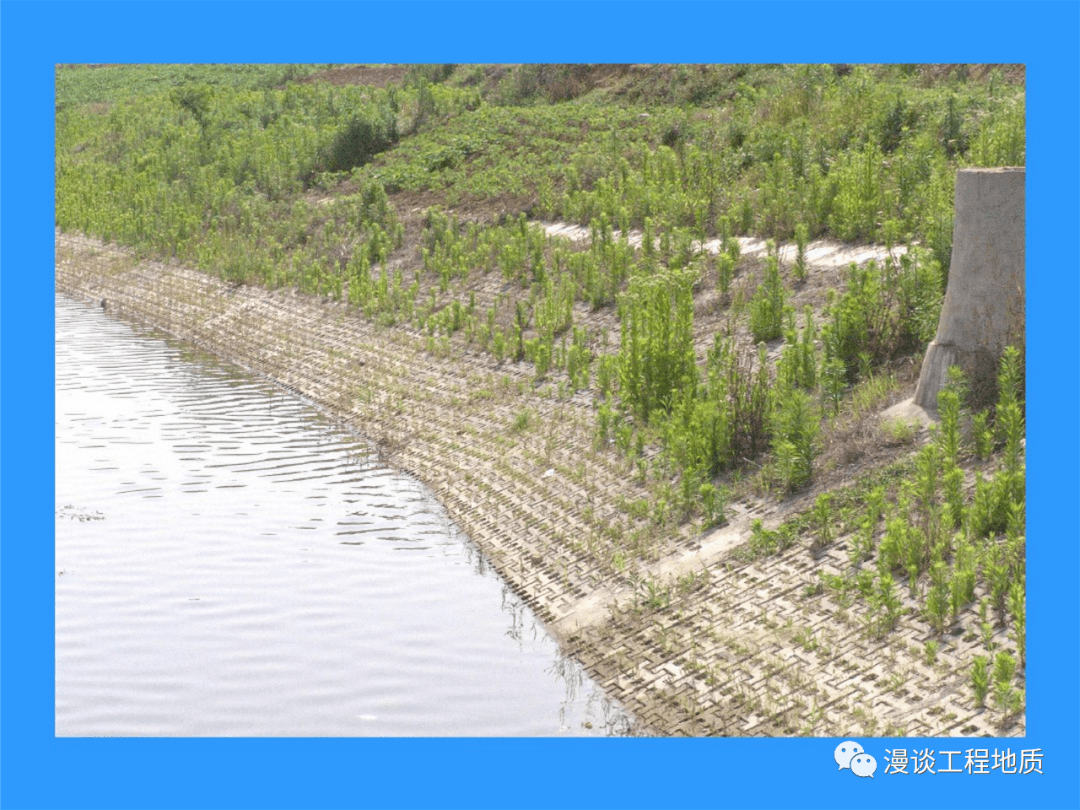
229, 562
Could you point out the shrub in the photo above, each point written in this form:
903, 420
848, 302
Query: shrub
937, 607
802, 238
980, 679
767, 305
983, 435
359, 140
859, 201
953, 139
885, 598
794, 436
798, 363
656, 354
1004, 669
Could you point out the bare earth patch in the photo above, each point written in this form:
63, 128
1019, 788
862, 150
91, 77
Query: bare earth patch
370, 75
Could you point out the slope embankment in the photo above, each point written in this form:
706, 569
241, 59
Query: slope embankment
688, 640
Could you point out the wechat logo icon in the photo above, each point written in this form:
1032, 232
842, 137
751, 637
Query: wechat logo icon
850, 755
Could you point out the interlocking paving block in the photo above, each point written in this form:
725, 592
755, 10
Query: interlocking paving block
776, 654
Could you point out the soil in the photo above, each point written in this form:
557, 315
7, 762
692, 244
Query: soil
370, 75
691, 639
639, 83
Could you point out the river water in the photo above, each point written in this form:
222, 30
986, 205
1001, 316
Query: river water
229, 562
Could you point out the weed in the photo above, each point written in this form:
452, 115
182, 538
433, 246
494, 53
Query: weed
823, 518
765, 542
805, 639
713, 503
522, 421
900, 431
930, 651
692, 581
653, 595
896, 681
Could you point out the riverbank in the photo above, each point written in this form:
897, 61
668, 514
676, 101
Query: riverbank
697, 641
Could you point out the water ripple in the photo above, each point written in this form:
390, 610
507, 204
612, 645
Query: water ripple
216, 575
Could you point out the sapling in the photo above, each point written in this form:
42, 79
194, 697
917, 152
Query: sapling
1009, 378
725, 271
865, 365
833, 382
927, 467
890, 552
1011, 425
986, 627
983, 435
767, 305
862, 543
889, 601
980, 679
795, 429
937, 605
1017, 610
913, 580
1004, 669
997, 571
962, 585
802, 237
954, 496
948, 434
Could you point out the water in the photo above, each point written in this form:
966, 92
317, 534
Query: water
231, 563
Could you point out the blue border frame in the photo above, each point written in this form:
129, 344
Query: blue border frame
42, 771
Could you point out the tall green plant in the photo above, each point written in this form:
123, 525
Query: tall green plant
767, 305
794, 437
656, 354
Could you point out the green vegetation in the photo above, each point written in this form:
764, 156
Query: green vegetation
980, 679
419, 205
102, 84
956, 545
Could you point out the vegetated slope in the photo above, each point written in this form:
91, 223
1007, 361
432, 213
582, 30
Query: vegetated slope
722, 385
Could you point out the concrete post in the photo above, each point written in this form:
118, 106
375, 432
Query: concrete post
983, 311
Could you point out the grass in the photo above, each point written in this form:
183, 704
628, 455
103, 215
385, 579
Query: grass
522, 421
104, 84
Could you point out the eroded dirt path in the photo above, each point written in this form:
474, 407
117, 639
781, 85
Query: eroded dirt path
737, 649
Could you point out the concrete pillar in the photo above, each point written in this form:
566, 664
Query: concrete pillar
983, 311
